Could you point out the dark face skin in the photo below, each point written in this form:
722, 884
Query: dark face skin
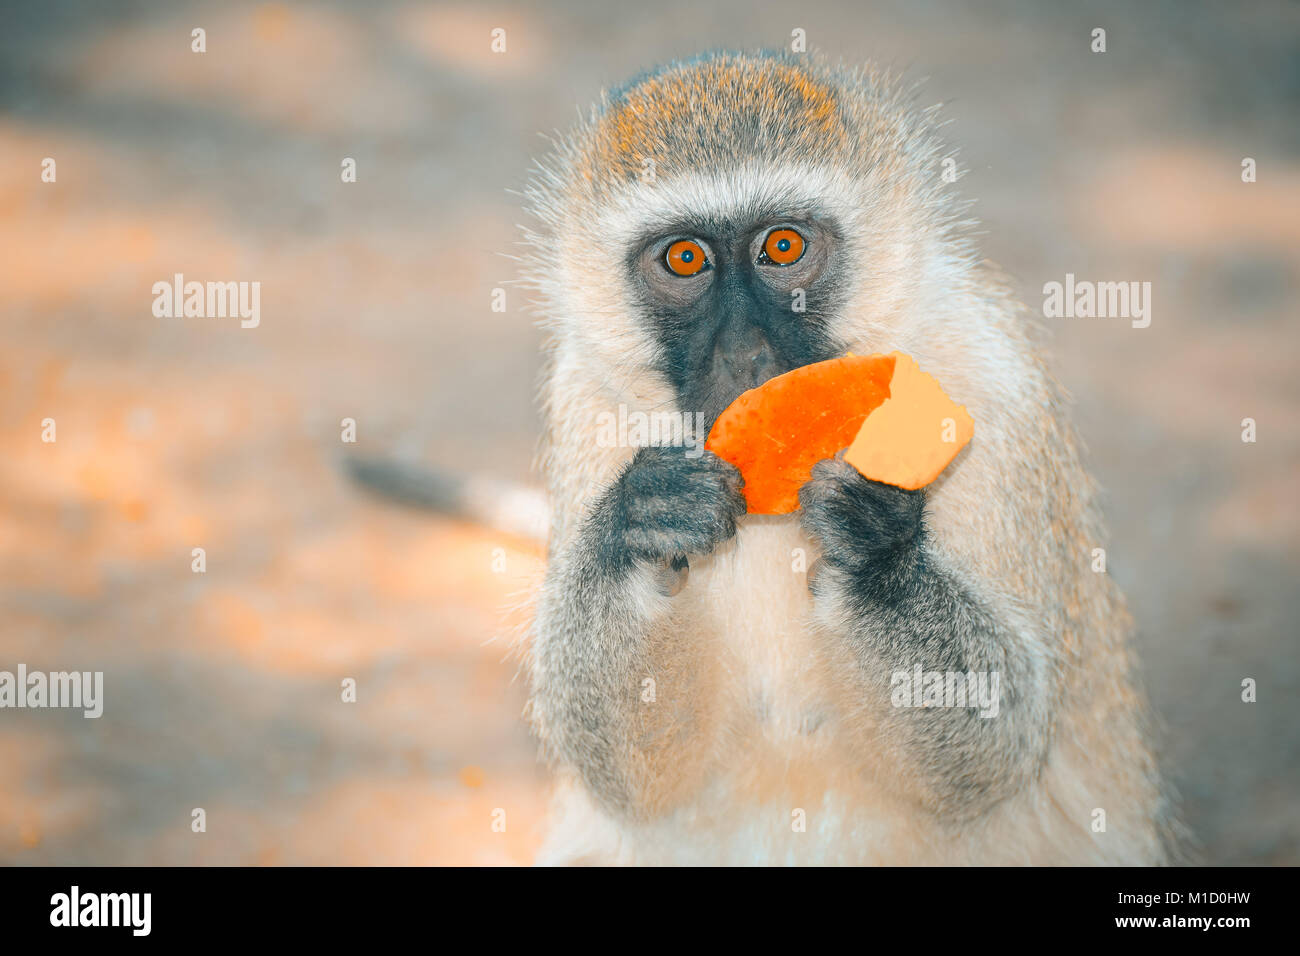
733, 325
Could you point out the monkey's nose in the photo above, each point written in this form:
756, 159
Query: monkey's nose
749, 365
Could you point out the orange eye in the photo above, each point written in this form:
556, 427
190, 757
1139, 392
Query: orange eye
783, 246
685, 257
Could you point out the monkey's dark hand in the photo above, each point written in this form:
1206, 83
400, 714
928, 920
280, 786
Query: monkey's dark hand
666, 505
869, 530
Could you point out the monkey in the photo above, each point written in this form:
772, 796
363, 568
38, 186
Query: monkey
716, 687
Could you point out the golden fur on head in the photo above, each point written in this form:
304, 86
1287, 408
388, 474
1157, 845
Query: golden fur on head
700, 115
726, 111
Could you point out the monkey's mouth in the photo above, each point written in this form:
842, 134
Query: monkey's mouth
723, 390
722, 396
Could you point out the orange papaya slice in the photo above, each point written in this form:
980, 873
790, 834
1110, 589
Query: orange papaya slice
895, 421
914, 433
775, 433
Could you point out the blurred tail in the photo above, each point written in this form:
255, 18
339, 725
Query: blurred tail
502, 505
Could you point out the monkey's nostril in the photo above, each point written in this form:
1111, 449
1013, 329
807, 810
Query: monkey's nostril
762, 367
753, 365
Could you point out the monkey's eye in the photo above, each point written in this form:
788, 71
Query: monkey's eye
685, 257
783, 247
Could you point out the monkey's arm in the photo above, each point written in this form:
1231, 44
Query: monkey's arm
883, 587
606, 625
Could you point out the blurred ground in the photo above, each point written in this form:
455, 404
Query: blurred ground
223, 689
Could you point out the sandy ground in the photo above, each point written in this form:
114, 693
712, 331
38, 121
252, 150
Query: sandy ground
223, 688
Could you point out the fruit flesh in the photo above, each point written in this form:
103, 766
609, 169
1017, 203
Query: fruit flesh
914, 434
775, 433
895, 421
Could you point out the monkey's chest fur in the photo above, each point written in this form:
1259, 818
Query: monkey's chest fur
786, 784
751, 596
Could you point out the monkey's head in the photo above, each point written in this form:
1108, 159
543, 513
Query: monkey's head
721, 221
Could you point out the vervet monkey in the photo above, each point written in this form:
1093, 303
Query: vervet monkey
705, 695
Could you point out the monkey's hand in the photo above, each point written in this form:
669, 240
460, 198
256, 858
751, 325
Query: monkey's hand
666, 505
893, 599
869, 531
605, 621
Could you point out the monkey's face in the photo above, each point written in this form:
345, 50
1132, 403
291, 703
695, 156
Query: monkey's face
728, 219
731, 301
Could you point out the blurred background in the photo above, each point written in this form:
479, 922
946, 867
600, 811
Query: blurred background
222, 689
